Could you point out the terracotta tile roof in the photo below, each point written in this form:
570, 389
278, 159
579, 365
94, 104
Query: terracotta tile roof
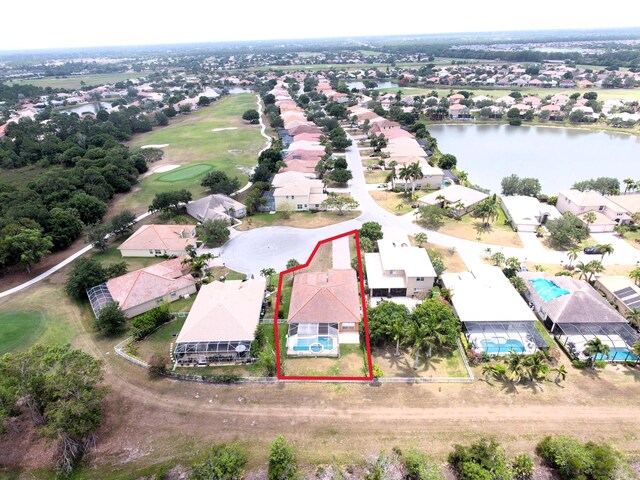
141, 286
160, 237
325, 297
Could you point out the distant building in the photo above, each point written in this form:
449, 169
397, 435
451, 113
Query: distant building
156, 240
216, 206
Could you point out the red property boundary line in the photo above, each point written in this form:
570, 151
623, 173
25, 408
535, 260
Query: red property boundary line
364, 316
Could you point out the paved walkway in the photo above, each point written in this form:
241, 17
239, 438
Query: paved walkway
340, 253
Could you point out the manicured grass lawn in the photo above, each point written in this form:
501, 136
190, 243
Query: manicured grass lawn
112, 255
376, 176
192, 142
298, 219
19, 330
351, 363
159, 341
497, 92
396, 203
184, 173
73, 81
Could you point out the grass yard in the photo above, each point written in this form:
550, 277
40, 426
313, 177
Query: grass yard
322, 260
74, 81
158, 342
351, 363
393, 202
19, 330
184, 173
193, 145
439, 365
498, 233
297, 219
376, 176
497, 92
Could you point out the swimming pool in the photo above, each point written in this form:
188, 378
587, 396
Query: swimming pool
313, 344
619, 354
507, 346
547, 289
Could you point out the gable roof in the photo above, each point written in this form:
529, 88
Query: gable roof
135, 288
325, 297
160, 237
224, 311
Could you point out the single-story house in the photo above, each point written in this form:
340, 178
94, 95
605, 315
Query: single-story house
527, 213
156, 240
221, 324
139, 291
495, 318
466, 198
575, 313
324, 311
620, 290
216, 206
398, 270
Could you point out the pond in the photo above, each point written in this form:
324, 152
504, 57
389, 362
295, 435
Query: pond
87, 107
558, 157
381, 84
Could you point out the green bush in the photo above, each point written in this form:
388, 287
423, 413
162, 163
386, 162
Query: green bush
482, 460
522, 467
579, 364
600, 363
574, 459
144, 324
282, 461
420, 466
223, 462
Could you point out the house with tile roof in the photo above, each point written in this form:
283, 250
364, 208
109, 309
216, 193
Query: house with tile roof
221, 324
156, 240
608, 212
216, 206
296, 189
324, 311
140, 291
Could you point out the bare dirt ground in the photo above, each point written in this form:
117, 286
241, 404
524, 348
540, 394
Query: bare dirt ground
495, 236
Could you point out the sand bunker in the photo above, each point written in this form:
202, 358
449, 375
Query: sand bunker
165, 168
223, 129
159, 145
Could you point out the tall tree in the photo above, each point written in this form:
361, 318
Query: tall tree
595, 348
28, 245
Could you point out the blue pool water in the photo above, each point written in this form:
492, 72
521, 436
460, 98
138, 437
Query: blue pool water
547, 289
618, 353
509, 345
311, 343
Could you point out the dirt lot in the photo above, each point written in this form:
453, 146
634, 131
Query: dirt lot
495, 236
436, 366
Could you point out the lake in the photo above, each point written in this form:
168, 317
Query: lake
381, 84
558, 157
87, 107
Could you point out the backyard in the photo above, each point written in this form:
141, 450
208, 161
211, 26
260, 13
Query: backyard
196, 144
297, 219
352, 362
396, 203
439, 365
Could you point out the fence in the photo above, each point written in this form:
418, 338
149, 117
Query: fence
120, 352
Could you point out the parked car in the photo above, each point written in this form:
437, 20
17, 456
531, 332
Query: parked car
593, 250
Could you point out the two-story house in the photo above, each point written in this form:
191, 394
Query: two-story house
295, 189
608, 213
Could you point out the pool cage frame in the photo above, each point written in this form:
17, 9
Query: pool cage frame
206, 353
99, 297
562, 332
308, 330
525, 331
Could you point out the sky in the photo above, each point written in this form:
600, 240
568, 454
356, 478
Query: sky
67, 24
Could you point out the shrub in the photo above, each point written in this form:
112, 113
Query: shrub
420, 466
600, 363
144, 324
568, 455
111, 319
282, 461
522, 467
157, 365
223, 462
484, 459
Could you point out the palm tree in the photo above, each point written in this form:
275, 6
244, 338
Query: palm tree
538, 367
267, 273
594, 266
421, 238
463, 176
495, 370
633, 316
635, 217
198, 264
420, 340
516, 366
572, 254
636, 349
606, 249
405, 174
629, 184
635, 275
415, 173
561, 374
498, 259
459, 208
584, 270
513, 263
589, 218
398, 329
441, 198
595, 347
